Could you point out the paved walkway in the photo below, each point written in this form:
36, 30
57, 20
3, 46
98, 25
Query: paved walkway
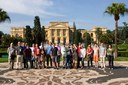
117, 76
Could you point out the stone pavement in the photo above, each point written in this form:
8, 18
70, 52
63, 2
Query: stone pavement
116, 76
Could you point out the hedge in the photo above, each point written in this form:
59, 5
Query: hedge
123, 53
123, 46
122, 49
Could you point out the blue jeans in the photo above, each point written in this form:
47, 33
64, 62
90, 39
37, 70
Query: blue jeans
68, 61
82, 61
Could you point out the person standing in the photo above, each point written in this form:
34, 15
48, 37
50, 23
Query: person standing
11, 56
110, 56
96, 54
54, 52
37, 53
63, 52
68, 57
28, 55
102, 54
75, 56
33, 56
19, 53
48, 54
82, 55
42, 57
58, 55
24, 57
78, 52
90, 56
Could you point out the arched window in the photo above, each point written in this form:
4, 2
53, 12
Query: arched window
91, 34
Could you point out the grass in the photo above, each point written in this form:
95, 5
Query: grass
121, 59
3, 60
116, 59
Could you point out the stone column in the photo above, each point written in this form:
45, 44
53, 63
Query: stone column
61, 36
55, 35
67, 36
49, 35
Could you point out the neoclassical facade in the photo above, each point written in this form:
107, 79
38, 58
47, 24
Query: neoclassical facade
17, 32
59, 32
92, 32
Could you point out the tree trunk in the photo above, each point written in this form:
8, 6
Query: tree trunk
116, 31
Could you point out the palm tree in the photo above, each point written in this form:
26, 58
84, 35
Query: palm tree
116, 9
4, 16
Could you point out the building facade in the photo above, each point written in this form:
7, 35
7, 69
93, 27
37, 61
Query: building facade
18, 32
92, 32
59, 32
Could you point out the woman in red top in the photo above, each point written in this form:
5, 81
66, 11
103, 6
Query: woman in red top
37, 54
78, 52
89, 55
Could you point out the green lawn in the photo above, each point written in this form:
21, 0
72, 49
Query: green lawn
116, 59
3, 60
121, 59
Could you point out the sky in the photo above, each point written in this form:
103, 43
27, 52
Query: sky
85, 13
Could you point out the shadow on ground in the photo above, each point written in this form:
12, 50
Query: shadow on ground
117, 72
5, 80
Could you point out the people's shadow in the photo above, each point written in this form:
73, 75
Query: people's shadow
4, 80
116, 72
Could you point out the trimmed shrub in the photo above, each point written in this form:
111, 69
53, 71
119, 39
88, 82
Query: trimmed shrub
123, 53
122, 49
123, 46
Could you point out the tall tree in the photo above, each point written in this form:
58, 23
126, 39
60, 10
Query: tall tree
43, 33
37, 30
125, 30
116, 9
74, 25
72, 36
28, 35
107, 38
87, 39
6, 40
4, 16
1, 33
77, 37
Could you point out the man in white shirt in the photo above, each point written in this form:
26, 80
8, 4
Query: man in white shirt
82, 55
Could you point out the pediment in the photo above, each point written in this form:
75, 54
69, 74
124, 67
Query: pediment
58, 26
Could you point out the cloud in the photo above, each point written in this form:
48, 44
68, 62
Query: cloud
29, 7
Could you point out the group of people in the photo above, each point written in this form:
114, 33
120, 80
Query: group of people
50, 55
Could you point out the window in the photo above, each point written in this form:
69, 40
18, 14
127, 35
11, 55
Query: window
64, 40
52, 40
64, 32
58, 40
52, 32
17, 35
58, 32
